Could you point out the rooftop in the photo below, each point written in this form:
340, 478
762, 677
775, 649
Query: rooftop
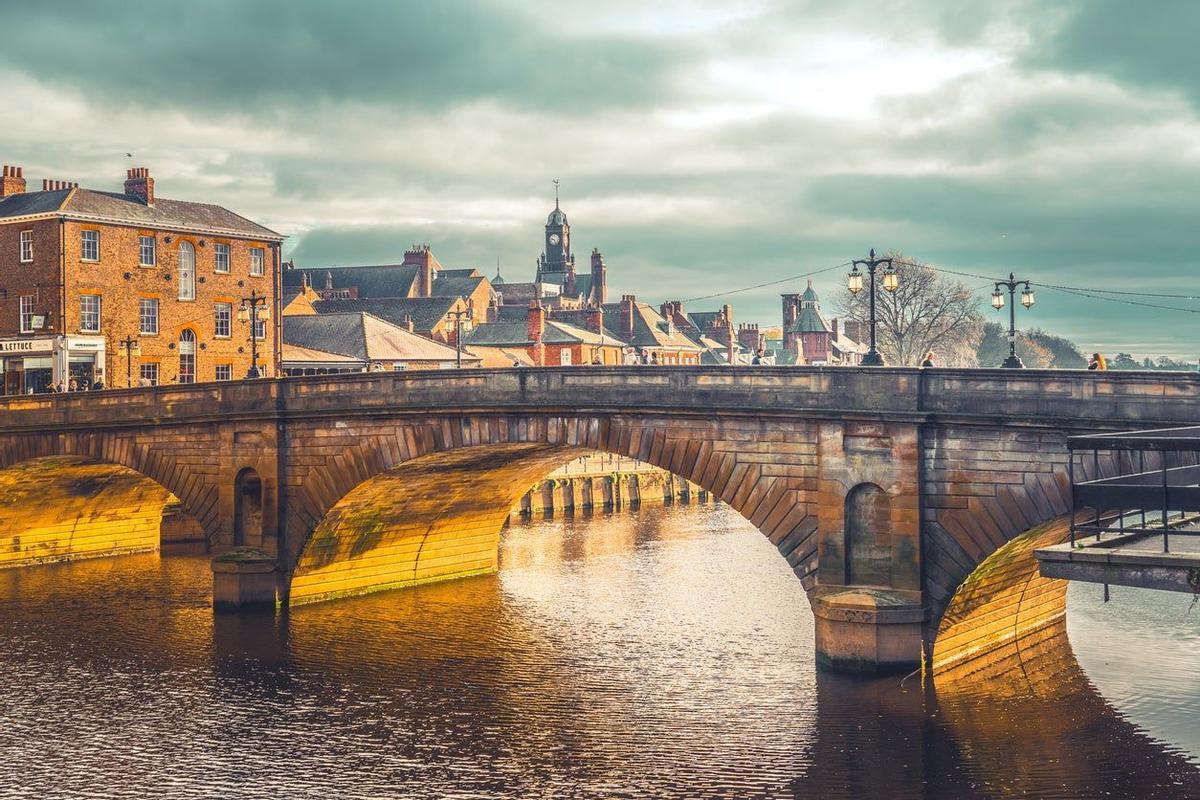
113, 207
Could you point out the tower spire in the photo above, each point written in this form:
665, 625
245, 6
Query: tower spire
556, 193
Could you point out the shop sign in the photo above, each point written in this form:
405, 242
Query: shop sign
23, 346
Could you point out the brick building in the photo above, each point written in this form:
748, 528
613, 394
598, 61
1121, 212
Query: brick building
416, 287
550, 342
129, 288
810, 338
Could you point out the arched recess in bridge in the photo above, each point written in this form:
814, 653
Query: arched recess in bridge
67, 507
439, 516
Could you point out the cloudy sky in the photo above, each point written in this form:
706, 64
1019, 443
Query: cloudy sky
702, 146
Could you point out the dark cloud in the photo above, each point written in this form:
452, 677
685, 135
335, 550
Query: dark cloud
1146, 44
252, 57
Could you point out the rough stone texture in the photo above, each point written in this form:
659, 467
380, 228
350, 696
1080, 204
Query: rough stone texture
968, 459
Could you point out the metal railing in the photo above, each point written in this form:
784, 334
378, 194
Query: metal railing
1152, 485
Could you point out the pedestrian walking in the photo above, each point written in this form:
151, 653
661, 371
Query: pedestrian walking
928, 360
1097, 362
758, 356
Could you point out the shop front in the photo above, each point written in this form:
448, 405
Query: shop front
31, 365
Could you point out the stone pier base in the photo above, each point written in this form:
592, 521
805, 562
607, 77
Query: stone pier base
868, 630
243, 579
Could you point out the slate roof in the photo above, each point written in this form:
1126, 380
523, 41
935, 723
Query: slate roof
425, 312
294, 353
516, 334
810, 320
456, 285
578, 318
650, 328
121, 209
702, 319
386, 280
362, 336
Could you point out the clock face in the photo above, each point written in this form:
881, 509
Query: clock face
554, 239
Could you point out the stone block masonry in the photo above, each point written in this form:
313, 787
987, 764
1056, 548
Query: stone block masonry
886, 491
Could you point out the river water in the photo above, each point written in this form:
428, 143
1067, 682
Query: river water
666, 653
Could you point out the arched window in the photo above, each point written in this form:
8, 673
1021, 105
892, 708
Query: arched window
248, 509
187, 271
187, 356
868, 540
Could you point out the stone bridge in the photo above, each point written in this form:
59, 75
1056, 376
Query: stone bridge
907, 502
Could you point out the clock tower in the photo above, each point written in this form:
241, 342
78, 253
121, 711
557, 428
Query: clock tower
557, 264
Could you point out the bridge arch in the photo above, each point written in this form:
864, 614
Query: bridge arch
68, 507
421, 502
97, 479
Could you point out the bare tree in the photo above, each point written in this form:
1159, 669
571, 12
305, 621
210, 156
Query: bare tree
928, 311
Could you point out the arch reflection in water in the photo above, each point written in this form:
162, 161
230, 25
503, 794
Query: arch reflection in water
656, 654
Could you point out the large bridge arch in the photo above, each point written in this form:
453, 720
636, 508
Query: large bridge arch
981, 545
485, 462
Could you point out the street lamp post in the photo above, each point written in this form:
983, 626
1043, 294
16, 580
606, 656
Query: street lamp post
254, 310
1012, 362
132, 347
458, 315
891, 280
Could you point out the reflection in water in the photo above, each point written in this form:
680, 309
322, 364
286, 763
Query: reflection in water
665, 653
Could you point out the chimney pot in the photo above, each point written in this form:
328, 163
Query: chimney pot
139, 185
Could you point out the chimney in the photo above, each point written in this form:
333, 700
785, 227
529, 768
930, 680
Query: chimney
421, 257
139, 185
599, 277
535, 328
13, 181
49, 185
627, 304
595, 319
535, 322
833, 324
407, 324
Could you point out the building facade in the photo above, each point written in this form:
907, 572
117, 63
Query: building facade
810, 338
128, 289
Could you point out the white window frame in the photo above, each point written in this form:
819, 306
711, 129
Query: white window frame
257, 262
145, 303
228, 370
260, 329
564, 357
147, 244
187, 270
85, 314
25, 305
187, 350
221, 249
26, 247
149, 372
227, 308
89, 241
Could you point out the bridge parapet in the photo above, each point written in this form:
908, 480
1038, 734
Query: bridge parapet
1074, 399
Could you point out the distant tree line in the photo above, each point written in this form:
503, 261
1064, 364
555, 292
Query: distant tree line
932, 311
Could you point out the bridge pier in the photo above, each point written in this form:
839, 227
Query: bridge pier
868, 630
244, 579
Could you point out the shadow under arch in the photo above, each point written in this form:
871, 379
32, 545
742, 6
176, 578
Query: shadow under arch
440, 515
66, 507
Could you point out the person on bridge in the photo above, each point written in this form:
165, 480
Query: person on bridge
1097, 362
758, 356
928, 360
